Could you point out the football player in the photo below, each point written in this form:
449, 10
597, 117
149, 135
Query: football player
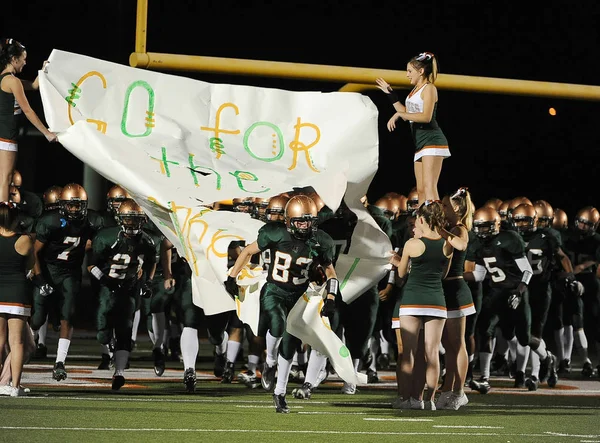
51, 198
502, 255
31, 204
293, 248
543, 249
120, 255
62, 239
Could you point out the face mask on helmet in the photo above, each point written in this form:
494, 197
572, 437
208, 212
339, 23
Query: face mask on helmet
131, 223
485, 229
73, 209
524, 224
585, 226
301, 217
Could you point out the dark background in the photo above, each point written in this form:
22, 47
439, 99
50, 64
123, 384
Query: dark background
502, 146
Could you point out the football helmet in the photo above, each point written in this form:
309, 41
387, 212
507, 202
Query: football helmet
244, 204
301, 216
561, 221
51, 197
503, 209
412, 200
516, 202
388, 207
131, 217
73, 202
586, 220
275, 210
486, 223
524, 218
258, 208
317, 199
114, 197
545, 213
14, 195
493, 202
17, 179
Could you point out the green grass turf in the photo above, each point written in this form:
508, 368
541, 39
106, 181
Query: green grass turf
157, 409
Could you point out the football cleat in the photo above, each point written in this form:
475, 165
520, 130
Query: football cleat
588, 370
249, 378
105, 363
304, 392
553, 376
349, 388
228, 373
159, 361
268, 377
372, 376
532, 383
117, 382
280, 402
545, 368
482, 385
564, 367
519, 379
297, 374
383, 361
59, 373
41, 351
220, 360
189, 380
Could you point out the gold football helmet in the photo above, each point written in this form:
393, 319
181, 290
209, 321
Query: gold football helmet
493, 202
258, 208
275, 211
51, 197
17, 179
486, 222
561, 221
524, 218
412, 198
131, 217
586, 220
14, 195
545, 213
114, 197
244, 204
73, 202
388, 207
301, 216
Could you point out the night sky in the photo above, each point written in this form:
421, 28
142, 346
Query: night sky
502, 146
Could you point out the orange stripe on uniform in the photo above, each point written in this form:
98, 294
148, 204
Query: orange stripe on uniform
422, 307
7, 140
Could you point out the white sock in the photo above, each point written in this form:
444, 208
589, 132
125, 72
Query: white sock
384, 345
582, 343
121, 358
316, 363
522, 357
63, 349
295, 359
152, 338
136, 324
253, 362
568, 342
189, 347
233, 347
283, 373
222, 348
272, 348
159, 324
541, 350
535, 365
373, 349
106, 350
485, 360
559, 338
356, 362
42, 333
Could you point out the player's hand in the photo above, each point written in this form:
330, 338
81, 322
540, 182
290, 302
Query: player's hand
385, 293
112, 284
43, 286
146, 290
169, 285
232, 287
328, 308
514, 300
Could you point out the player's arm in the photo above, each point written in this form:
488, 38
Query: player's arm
476, 273
37, 249
565, 261
166, 254
243, 259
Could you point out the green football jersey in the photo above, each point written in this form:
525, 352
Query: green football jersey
541, 248
498, 255
291, 258
64, 240
121, 257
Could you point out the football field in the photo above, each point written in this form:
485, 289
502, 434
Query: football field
157, 409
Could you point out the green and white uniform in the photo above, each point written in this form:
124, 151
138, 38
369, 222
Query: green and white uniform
61, 260
423, 294
459, 300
